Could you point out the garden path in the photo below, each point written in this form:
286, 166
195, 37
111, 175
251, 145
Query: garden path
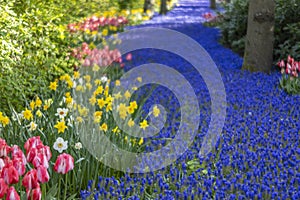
261, 130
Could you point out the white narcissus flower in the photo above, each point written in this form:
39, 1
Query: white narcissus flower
78, 146
32, 126
103, 79
62, 112
60, 145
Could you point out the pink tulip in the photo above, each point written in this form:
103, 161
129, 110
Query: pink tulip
30, 180
34, 194
10, 174
18, 153
19, 165
12, 194
3, 187
4, 148
39, 156
64, 163
42, 174
32, 142
281, 64
129, 57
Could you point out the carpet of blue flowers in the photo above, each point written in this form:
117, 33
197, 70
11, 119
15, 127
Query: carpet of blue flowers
258, 153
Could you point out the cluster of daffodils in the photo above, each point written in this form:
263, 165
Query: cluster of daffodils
98, 103
13, 164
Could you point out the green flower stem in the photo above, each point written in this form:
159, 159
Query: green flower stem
66, 186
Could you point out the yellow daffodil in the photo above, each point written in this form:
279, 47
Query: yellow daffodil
38, 102
97, 82
79, 119
76, 75
99, 90
32, 105
144, 124
93, 100
4, 120
87, 78
60, 126
27, 114
101, 103
109, 107
53, 86
156, 111
103, 127
127, 94
130, 123
95, 68
116, 130
117, 96
139, 79
39, 113
118, 83
88, 86
141, 141
104, 32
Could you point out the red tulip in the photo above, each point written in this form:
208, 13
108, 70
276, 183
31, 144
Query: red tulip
16, 152
3, 187
32, 142
4, 148
30, 180
64, 163
12, 194
42, 174
10, 174
40, 155
34, 194
19, 165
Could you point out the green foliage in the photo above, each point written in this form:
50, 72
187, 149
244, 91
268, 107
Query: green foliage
290, 84
287, 27
234, 25
35, 45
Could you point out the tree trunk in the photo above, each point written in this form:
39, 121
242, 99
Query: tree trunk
163, 7
213, 4
148, 5
260, 36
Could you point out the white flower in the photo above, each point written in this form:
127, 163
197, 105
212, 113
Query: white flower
62, 112
32, 126
103, 79
70, 121
78, 145
60, 145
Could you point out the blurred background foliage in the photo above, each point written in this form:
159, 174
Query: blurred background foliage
287, 27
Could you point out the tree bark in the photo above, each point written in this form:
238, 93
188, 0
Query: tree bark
213, 4
260, 36
163, 7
